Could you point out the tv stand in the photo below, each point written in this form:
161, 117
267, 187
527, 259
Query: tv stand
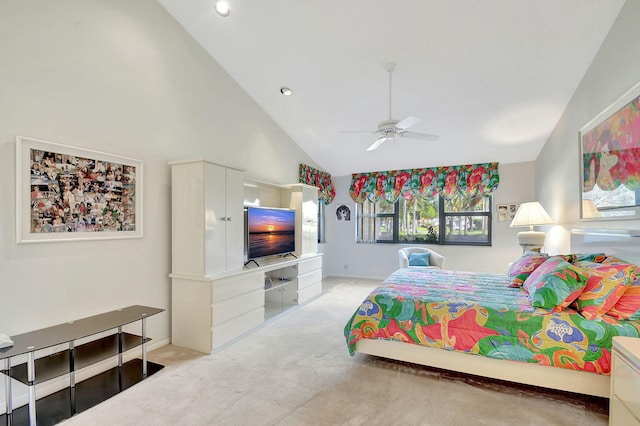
290, 254
212, 311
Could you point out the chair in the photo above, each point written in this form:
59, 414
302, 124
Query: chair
436, 260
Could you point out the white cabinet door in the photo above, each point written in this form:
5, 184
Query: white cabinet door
309, 240
207, 218
235, 219
215, 219
224, 227
304, 200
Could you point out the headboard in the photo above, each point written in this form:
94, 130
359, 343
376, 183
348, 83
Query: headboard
624, 243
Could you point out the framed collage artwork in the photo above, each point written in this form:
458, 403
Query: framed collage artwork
65, 193
610, 161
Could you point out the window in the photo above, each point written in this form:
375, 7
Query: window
426, 221
466, 221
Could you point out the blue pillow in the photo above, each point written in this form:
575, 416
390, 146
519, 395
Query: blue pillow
419, 259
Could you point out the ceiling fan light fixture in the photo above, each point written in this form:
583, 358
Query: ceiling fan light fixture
222, 8
390, 128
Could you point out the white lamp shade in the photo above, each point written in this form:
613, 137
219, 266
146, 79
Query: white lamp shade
530, 214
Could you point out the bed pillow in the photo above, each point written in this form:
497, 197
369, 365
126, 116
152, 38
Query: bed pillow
613, 259
591, 257
555, 284
524, 266
419, 259
628, 307
606, 283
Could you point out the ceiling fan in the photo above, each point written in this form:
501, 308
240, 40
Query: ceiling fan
391, 128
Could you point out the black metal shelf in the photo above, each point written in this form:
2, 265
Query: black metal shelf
77, 396
56, 365
61, 405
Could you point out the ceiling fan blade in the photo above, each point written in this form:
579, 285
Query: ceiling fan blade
419, 136
378, 142
408, 122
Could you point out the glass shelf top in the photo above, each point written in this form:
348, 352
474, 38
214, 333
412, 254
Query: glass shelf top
73, 330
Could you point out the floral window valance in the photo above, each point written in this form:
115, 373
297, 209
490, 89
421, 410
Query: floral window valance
315, 177
466, 180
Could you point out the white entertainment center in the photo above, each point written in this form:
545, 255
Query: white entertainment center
215, 297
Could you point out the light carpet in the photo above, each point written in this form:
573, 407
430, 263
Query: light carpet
296, 370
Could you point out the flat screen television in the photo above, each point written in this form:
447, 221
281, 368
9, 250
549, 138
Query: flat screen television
270, 232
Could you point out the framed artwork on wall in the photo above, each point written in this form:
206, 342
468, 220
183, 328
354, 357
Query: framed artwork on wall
610, 161
506, 212
65, 193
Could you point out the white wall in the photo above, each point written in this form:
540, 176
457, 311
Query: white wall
614, 70
343, 257
122, 77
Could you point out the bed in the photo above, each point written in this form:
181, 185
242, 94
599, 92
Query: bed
483, 324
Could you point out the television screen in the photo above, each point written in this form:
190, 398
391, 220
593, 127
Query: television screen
270, 231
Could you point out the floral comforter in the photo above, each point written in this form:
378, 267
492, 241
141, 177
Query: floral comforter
479, 313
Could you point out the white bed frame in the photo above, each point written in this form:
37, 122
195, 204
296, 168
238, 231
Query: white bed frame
622, 243
512, 371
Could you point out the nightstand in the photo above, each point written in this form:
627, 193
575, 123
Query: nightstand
624, 404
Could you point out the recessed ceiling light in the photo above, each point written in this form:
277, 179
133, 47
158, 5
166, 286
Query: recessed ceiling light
286, 91
222, 8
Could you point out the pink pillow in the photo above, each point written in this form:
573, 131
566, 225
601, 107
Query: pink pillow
606, 283
628, 307
520, 270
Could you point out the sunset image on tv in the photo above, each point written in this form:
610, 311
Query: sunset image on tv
271, 231
271, 220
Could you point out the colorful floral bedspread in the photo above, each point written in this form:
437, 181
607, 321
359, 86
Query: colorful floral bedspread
479, 313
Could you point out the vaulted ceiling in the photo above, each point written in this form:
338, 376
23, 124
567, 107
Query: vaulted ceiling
490, 77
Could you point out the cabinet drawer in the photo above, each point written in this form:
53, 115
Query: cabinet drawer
310, 279
230, 330
309, 293
237, 306
619, 415
233, 286
306, 266
626, 384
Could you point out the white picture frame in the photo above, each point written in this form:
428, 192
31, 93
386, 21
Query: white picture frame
66, 193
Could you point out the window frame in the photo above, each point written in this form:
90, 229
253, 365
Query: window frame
442, 220
394, 220
442, 217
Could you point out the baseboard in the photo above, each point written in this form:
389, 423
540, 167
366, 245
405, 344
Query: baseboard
357, 277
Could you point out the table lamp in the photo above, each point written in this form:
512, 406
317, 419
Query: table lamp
531, 214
